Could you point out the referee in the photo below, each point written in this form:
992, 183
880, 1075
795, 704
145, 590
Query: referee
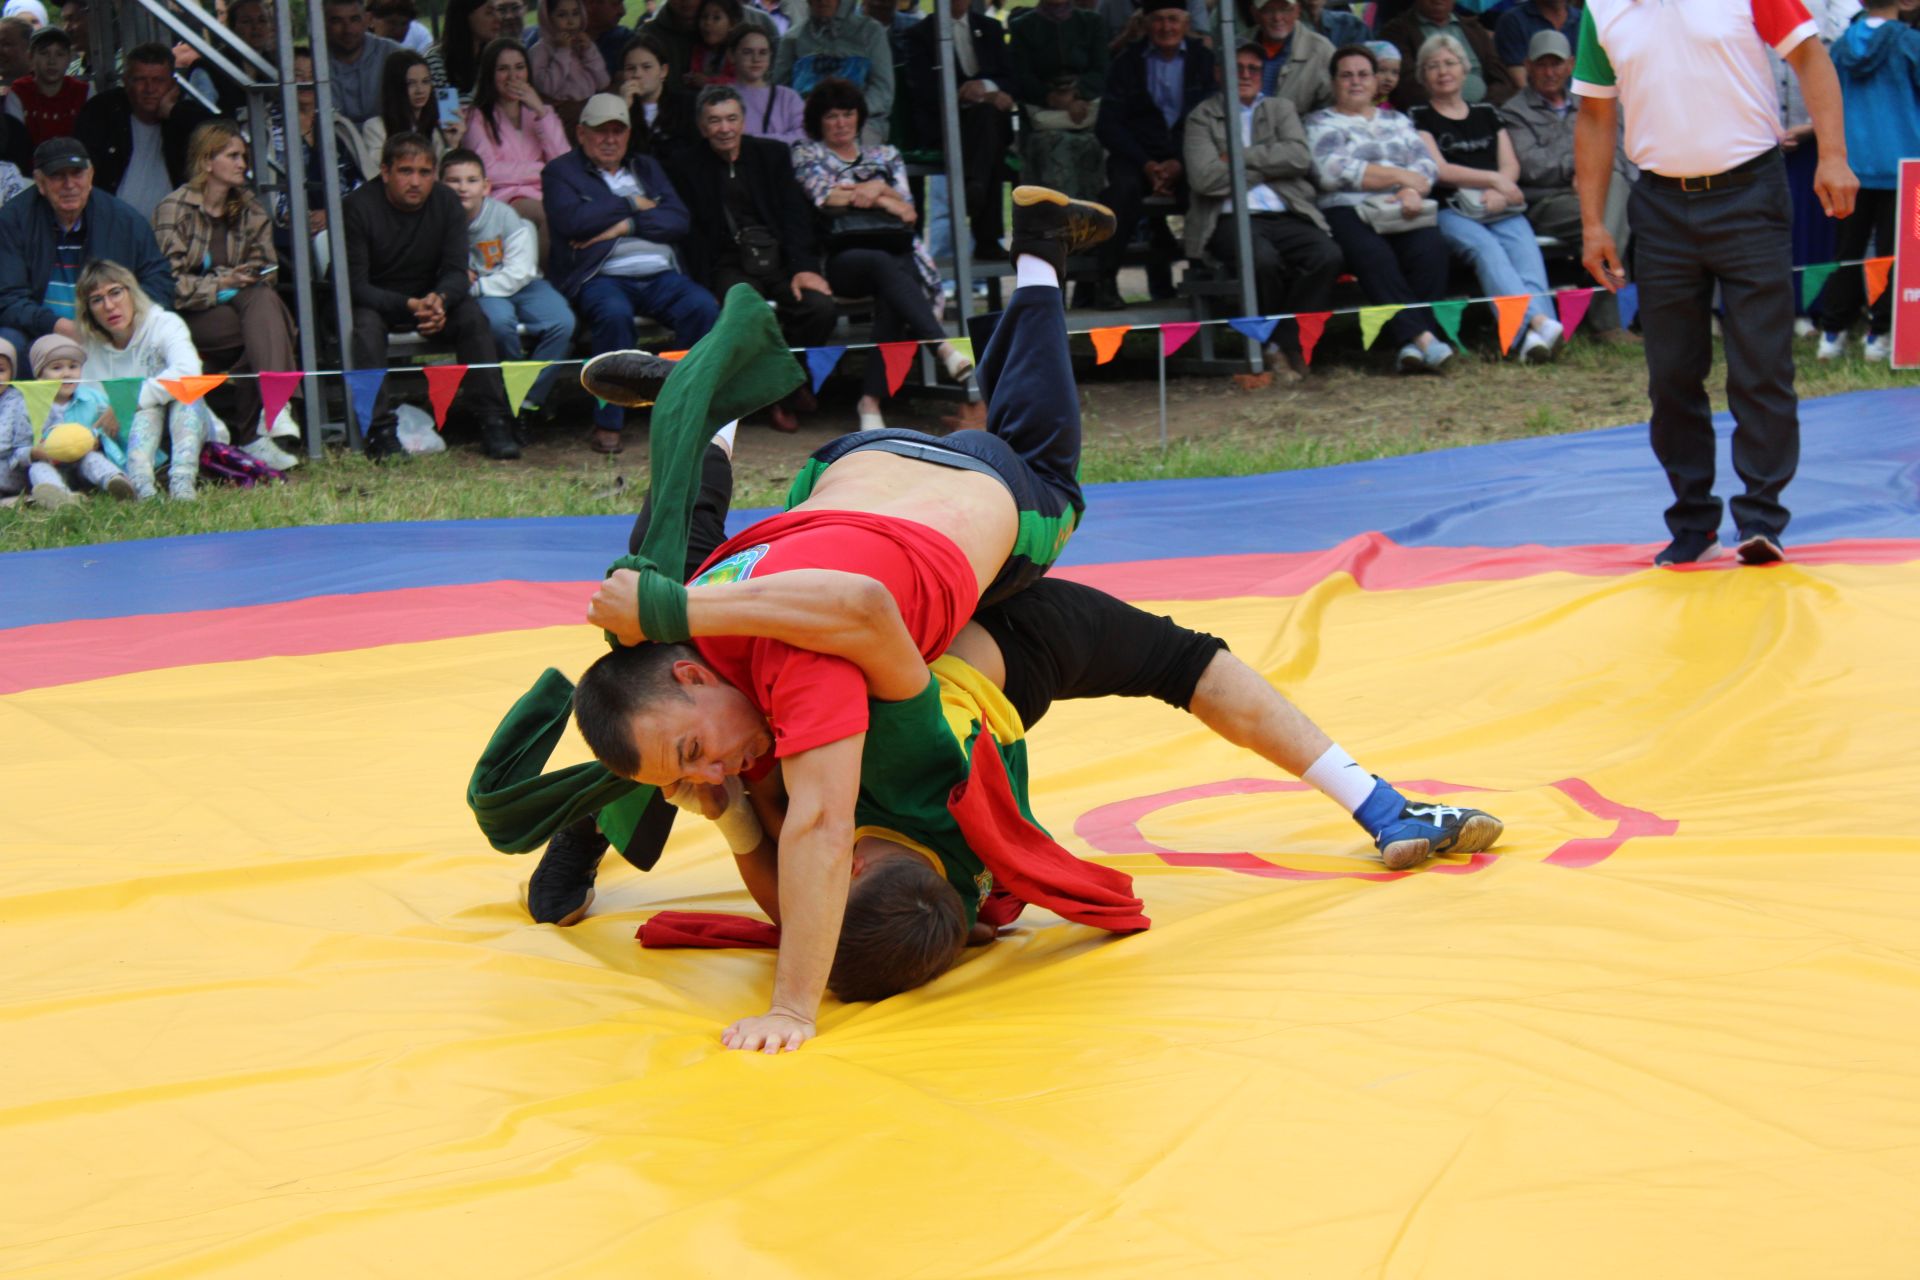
1711, 207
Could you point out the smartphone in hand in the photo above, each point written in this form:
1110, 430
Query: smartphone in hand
449, 104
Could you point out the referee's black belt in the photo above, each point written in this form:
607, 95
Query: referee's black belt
1738, 176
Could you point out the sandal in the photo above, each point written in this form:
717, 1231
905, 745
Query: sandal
605, 441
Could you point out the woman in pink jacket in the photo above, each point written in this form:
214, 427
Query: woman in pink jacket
514, 132
566, 65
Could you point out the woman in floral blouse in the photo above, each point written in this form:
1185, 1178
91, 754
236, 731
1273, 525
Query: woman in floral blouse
1363, 155
867, 256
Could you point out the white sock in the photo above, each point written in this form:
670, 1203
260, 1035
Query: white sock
1339, 778
724, 437
1029, 270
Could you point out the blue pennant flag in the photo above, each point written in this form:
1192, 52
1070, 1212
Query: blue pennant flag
364, 386
820, 362
1257, 328
1628, 299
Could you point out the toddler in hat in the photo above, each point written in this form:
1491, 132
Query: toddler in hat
16, 433
58, 358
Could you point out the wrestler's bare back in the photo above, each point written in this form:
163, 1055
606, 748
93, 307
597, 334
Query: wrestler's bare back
972, 509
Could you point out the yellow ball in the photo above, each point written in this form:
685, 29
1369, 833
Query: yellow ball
68, 442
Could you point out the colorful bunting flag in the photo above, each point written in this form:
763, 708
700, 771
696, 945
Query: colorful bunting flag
1174, 336
820, 362
1628, 299
39, 394
1812, 280
673, 355
1106, 341
1256, 328
123, 396
1877, 271
443, 381
1572, 305
899, 359
1448, 314
1373, 319
964, 346
520, 375
1311, 325
276, 388
363, 386
189, 389
1512, 312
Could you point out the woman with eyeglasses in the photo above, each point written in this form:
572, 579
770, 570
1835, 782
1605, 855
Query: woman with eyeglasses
773, 110
1374, 176
129, 335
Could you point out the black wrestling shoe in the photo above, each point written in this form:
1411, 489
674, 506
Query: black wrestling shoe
1688, 548
383, 443
631, 379
562, 885
1052, 225
497, 438
1759, 548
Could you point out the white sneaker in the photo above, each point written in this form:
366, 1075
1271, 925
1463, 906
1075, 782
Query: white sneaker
265, 450
1436, 354
1833, 346
1535, 349
52, 497
1551, 332
284, 427
1410, 360
1878, 348
1803, 327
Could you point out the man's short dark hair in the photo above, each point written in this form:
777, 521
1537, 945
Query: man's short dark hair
714, 94
833, 94
461, 155
905, 925
151, 55
404, 144
618, 687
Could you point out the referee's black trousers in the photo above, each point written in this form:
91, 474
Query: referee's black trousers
1685, 243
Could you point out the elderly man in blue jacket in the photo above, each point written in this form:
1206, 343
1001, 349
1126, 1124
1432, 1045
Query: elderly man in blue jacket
47, 236
615, 219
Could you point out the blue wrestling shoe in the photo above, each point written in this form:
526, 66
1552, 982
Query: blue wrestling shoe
1408, 833
562, 886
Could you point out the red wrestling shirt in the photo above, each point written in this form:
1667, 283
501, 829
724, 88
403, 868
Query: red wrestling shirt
811, 699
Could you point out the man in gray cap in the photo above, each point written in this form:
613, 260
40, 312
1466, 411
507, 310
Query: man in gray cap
46, 238
615, 220
1539, 122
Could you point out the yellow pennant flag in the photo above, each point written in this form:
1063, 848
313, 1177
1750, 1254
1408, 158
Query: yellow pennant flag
964, 346
1372, 319
519, 376
39, 394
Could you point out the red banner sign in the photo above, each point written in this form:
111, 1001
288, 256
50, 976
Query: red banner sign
1906, 270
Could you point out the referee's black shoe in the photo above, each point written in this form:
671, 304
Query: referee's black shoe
1759, 548
630, 379
1689, 548
1052, 225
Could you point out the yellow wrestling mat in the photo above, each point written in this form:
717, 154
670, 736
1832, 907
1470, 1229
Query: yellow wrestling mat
272, 1009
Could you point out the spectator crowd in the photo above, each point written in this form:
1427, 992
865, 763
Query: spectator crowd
555, 183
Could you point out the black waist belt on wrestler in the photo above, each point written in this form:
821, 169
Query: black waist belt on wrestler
1738, 176
939, 455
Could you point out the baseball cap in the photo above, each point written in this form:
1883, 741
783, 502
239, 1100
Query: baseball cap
57, 155
604, 108
1548, 44
50, 35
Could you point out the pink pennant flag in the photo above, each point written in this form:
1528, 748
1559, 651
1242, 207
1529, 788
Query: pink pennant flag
276, 389
1106, 341
443, 380
1174, 336
1572, 305
1312, 325
189, 389
899, 359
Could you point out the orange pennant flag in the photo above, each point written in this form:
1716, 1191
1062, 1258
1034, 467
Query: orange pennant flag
189, 389
1877, 270
1106, 342
1513, 314
673, 355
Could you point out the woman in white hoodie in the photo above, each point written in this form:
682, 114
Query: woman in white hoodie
129, 336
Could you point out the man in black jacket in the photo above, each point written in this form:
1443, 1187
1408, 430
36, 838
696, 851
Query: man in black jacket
752, 223
1151, 88
137, 134
407, 268
47, 236
984, 75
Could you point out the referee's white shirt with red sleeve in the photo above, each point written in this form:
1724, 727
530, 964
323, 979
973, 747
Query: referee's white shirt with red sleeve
1692, 76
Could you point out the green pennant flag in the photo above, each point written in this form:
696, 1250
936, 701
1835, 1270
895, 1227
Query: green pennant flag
519, 375
1448, 314
1812, 279
123, 394
1372, 319
39, 394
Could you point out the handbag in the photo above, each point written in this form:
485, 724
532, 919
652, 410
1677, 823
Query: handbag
849, 228
1384, 214
1473, 204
